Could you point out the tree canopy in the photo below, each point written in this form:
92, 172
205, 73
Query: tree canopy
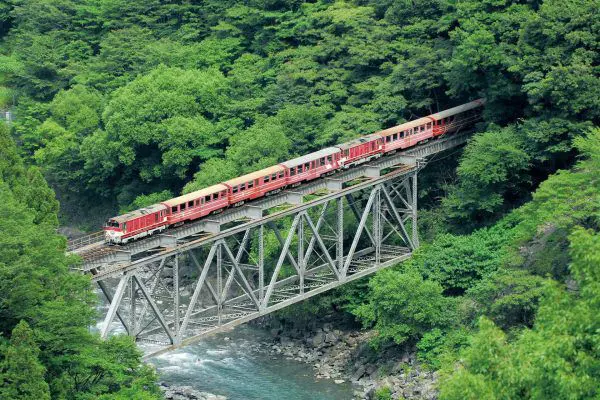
122, 103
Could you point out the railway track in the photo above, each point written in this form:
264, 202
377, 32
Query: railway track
92, 247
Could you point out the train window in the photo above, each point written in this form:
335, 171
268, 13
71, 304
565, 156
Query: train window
293, 171
266, 179
329, 159
156, 217
182, 207
173, 210
250, 185
346, 152
306, 167
124, 226
280, 175
322, 161
191, 204
273, 177
429, 125
388, 139
207, 198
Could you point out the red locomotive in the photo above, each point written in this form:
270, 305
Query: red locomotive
235, 192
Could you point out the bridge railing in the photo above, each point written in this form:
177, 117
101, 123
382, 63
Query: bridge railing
83, 241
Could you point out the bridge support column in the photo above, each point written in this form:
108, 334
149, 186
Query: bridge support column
415, 232
176, 299
219, 283
340, 234
301, 253
132, 308
377, 224
261, 265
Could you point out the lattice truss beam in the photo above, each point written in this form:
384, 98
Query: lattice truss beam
180, 298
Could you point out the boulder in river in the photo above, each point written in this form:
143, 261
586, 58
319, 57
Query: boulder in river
187, 393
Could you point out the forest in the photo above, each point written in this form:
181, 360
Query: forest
119, 104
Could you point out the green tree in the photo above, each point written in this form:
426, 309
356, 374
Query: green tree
491, 171
509, 297
402, 307
458, 262
21, 374
556, 359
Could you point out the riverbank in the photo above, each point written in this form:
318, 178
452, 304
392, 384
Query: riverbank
239, 365
270, 362
345, 355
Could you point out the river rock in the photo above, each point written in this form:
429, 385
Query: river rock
285, 341
371, 369
187, 393
330, 337
359, 373
350, 340
318, 340
347, 356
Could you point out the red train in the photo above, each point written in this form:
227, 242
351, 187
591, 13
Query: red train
235, 192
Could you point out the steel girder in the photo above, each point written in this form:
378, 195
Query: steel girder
208, 286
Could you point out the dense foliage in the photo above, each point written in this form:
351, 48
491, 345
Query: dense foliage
119, 99
46, 348
122, 103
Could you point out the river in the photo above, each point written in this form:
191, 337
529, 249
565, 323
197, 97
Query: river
234, 368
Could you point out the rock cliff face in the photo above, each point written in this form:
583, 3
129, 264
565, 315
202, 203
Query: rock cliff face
345, 355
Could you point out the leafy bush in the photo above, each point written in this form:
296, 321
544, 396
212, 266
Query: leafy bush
403, 306
383, 393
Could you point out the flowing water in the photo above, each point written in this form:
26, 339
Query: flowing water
240, 369
234, 368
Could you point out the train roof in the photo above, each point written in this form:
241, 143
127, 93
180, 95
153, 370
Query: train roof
195, 195
139, 213
355, 142
455, 110
310, 157
405, 126
254, 175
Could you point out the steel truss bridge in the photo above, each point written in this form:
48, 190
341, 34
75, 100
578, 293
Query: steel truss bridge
173, 289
